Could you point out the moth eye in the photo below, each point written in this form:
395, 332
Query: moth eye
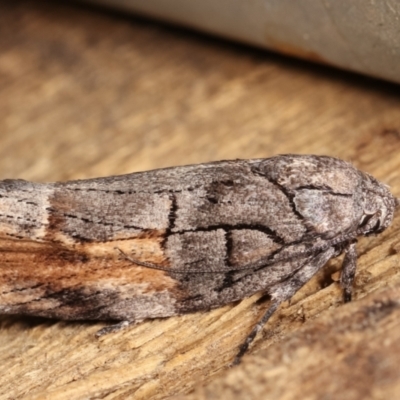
376, 226
365, 219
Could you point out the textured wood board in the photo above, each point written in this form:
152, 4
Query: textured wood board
349, 353
87, 93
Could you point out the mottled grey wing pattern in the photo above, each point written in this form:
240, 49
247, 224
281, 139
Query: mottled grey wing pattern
164, 242
228, 229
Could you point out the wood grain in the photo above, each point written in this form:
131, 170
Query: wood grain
86, 92
349, 353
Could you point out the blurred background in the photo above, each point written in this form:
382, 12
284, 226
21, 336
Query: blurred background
357, 35
89, 91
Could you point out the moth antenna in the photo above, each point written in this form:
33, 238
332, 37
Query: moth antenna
141, 263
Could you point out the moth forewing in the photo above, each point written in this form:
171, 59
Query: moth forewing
184, 239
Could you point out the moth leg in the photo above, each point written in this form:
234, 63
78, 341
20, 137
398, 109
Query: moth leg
284, 291
114, 328
348, 271
245, 345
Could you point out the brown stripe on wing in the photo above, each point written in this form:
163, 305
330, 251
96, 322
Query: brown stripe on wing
42, 279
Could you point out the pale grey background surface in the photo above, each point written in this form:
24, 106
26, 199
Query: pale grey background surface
358, 35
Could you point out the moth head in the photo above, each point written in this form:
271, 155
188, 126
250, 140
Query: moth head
378, 206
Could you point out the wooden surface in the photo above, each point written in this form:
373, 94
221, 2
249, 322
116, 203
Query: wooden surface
86, 93
350, 353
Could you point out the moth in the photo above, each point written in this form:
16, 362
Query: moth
179, 240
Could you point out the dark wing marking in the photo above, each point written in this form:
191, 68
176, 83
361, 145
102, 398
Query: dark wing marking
287, 253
